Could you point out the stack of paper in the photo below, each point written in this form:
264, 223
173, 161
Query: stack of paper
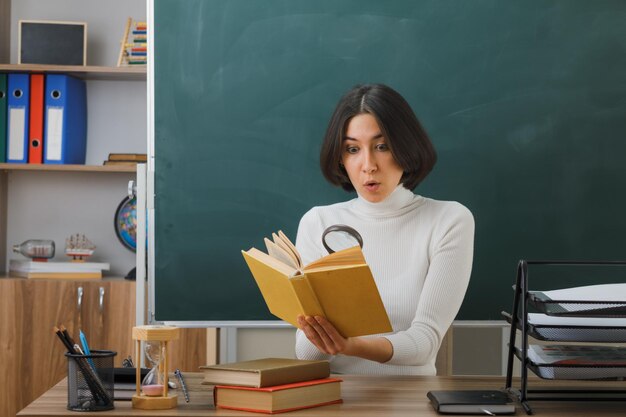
604, 299
578, 361
62, 270
578, 329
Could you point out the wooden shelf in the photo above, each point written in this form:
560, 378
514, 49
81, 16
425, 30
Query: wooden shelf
103, 279
88, 72
67, 168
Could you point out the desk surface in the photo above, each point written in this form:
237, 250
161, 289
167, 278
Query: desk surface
362, 395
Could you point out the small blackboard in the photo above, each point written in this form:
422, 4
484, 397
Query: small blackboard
53, 43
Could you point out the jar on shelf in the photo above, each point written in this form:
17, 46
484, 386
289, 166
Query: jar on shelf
37, 249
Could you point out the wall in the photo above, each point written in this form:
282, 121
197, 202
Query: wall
55, 205
259, 343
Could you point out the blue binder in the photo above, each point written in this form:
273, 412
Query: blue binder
65, 131
17, 118
3, 117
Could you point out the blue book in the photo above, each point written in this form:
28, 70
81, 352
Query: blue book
65, 131
17, 118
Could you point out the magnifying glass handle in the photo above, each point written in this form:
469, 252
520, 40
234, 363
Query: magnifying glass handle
341, 228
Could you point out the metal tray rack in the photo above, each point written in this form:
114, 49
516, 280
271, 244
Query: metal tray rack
574, 329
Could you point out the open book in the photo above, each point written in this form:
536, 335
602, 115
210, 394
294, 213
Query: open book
338, 286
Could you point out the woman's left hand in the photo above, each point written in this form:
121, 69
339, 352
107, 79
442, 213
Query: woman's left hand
323, 334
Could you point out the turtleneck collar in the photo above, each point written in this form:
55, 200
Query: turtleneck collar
399, 199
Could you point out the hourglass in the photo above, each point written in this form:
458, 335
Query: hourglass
152, 391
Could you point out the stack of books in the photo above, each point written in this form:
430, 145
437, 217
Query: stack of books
272, 385
57, 270
126, 159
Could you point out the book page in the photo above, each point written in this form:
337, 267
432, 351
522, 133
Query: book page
280, 254
350, 256
289, 243
280, 242
272, 262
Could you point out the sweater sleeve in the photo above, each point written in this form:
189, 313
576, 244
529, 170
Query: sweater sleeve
451, 254
310, 226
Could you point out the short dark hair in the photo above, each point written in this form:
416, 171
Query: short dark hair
409, 143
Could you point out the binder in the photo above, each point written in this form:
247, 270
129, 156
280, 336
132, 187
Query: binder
17, 115
3, 117
35, 127
65, 120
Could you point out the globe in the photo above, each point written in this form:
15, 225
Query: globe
126, 222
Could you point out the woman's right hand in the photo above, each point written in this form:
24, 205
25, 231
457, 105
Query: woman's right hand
323, 334
327, 339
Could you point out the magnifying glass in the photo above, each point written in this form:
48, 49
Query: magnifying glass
340, 237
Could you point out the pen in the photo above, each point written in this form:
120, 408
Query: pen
179, 375
83, 341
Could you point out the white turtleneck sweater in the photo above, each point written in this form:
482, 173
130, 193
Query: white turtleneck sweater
420, 252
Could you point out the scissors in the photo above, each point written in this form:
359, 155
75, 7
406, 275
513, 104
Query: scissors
341, 228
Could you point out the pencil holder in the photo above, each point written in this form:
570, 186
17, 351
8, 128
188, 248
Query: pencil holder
90, 381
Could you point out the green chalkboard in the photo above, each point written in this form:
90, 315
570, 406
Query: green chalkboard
525, 102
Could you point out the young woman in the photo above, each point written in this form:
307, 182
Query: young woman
420, 250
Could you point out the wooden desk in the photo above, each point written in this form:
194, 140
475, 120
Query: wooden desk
362, 395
